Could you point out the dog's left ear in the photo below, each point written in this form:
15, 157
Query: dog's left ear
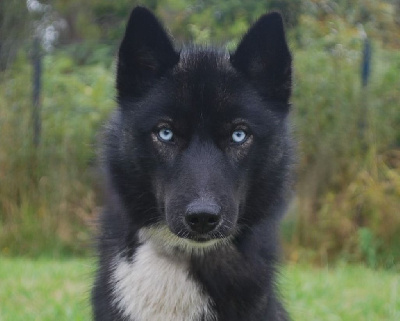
264, 58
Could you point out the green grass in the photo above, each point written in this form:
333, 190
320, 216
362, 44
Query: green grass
44, 289
59, 290
343, 293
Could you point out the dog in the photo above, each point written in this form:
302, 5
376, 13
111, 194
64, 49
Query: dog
197, 161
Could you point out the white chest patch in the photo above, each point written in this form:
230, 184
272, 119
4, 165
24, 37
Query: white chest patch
154, 287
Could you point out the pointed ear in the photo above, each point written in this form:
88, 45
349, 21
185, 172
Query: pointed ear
146, 53
263, 57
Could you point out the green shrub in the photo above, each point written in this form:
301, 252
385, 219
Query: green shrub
348, 195
46, 195
348, 190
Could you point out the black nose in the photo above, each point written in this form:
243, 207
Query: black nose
202, 216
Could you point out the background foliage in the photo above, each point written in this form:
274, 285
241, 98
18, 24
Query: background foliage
347, 203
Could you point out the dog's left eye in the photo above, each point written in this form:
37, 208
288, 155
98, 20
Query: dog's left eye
239, 136
166, 134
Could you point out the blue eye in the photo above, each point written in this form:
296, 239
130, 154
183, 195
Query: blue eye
166, 134
239, 136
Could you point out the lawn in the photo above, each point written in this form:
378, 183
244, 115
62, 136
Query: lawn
44, 290
59, 290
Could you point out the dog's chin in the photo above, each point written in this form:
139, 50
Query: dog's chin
203, 239
163, 237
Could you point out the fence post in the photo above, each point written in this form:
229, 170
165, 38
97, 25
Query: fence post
365, 77
366, 63
37, 85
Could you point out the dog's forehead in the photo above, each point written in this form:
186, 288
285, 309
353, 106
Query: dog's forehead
205, 75
206, 80
203, 88
199, 61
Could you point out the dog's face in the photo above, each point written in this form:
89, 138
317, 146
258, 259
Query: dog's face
200, 128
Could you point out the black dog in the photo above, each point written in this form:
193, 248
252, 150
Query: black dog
197, 159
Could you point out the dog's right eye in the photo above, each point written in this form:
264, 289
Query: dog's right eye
165, 134
239, 136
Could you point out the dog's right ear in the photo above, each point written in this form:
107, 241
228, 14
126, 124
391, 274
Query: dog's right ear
146, 53
264, 58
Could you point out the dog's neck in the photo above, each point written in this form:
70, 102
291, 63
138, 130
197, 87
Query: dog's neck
157, 286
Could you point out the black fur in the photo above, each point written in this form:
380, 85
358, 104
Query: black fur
203, 95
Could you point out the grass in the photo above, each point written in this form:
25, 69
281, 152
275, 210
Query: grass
343, 293
59, 290
44, 289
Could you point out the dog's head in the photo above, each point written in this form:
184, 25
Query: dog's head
200, 137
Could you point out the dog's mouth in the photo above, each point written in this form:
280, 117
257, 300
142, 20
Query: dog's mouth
187, 233
201, 239
205, 241
186, 241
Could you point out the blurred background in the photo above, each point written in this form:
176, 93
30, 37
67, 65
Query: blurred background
57, 63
